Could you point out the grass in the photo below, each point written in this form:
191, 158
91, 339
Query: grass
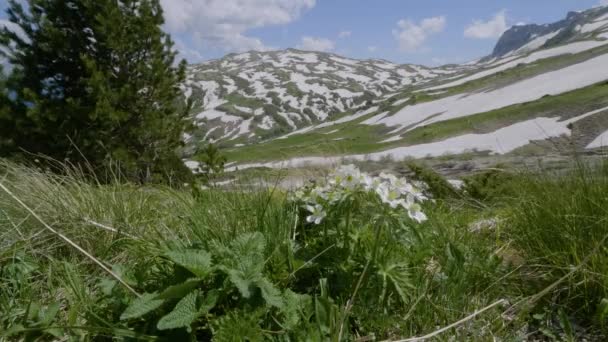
270, 276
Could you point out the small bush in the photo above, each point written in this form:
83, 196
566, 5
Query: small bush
491, 184
438, 185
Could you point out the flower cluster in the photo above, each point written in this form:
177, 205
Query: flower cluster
348, 180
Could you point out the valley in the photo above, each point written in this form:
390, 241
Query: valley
293, 108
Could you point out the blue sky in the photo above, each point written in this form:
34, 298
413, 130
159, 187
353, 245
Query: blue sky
415, 31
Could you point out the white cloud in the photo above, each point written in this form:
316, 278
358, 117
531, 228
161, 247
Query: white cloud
372, 48
344, 34
492, 28
411, 36
223, 24
316, 44
603, 3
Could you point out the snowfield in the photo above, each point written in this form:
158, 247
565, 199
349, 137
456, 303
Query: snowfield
552, 83
501, 141
601, 141
513, 61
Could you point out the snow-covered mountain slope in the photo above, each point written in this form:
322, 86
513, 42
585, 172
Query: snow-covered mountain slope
301, 107
576, 26
259, 95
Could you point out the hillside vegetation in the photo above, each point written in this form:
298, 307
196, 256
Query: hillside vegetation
524, 253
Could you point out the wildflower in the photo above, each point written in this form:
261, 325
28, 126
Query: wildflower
402, 185
316, 214
318, 193
418, 194
299, 195
389, 177
334, 195
389, 195
414, 211
349, 176
371, 183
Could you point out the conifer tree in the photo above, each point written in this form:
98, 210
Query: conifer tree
95, 80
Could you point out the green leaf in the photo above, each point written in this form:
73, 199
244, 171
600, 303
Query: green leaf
241, 283
295, 309
198, 262
238, 326
183, 315
49, 314
243, 260
209, 302
603, 309
181, 290
141, 306
566, 325
270, 293
107, 286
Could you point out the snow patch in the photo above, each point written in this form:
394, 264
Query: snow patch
600, 141
561, 50
551, 83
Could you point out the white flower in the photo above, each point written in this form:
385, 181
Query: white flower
403, 186
348, 176
414, 211
418, 194
298, 195
317, 214
371, 183
334, 196
389, 195
318, 193
391, 178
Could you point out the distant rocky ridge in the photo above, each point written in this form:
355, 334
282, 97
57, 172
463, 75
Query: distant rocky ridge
576, 26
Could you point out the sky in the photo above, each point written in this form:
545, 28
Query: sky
429, 32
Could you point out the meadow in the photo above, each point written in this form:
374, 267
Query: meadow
353, 257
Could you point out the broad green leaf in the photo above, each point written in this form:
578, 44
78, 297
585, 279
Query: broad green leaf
49, 314
196, 261
180, 290
295, 309
209, 302
238, 326
270, 293
241, 283
183, 315
107, 286
141, 306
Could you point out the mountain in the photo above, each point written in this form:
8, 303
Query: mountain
576, 26
544, 89
243, 98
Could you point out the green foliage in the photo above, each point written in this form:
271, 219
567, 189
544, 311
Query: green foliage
183, 315
438, 185
245, 264
211, 161
142, 305
561, 222
95, 82
491, 184
197, 262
